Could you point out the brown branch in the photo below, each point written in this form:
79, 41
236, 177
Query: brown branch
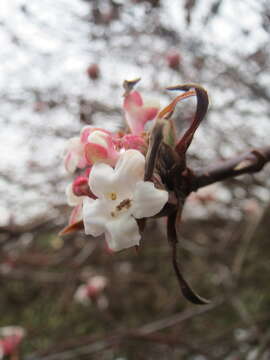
246, 163
187, 291
93, 345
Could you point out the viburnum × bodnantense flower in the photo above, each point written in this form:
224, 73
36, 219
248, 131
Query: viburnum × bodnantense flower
110, 194
123, 178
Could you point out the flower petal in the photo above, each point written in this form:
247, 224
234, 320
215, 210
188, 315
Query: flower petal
98, 137
94, 216
95, 153
86, 130
74, 153
76, 214
149, 113
122, 233
71, 161
128, 171
101, 179
133, 99
148, 200
72, 199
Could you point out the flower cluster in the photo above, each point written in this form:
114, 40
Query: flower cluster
130, 176
109, 193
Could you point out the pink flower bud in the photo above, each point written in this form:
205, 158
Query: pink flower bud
80, 187
76, 214
11, 339
136, 113
93, 71
131, 141
173, 59
74, 155
100, 148
75, 151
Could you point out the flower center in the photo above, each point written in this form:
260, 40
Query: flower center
113, 196
123, 206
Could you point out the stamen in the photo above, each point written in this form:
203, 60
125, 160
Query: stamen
113, 196
124, 204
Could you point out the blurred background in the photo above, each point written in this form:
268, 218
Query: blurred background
62, 67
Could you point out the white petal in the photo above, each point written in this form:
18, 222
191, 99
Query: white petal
98, 137
101, 179
122, 233
147, 200
73, 154
81, 295
129, 170
95, 216
72, 199
71, 162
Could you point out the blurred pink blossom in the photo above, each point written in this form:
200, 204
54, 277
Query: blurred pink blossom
91, 291
10, 339
137, 113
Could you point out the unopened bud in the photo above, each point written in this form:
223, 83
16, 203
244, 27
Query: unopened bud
93, 71
173, 59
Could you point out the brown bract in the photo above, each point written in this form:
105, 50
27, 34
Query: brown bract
166, 162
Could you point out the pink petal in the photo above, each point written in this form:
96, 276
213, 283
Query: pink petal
80, 187
133, 99
87, 130
85, 133
95, 153
150, 113
131, 141
10, 344
76, 214
70, 162
137, 115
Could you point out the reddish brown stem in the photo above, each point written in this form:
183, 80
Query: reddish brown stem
246, 163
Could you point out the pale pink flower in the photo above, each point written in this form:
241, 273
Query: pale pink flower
137, 113
100, 147
75, 150
94, 287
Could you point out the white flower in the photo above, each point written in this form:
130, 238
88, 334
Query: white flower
122, 197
